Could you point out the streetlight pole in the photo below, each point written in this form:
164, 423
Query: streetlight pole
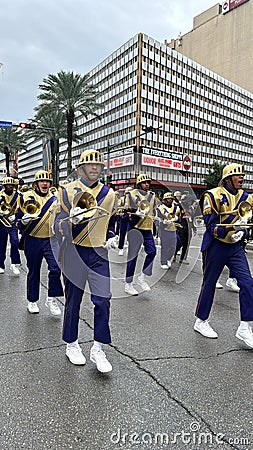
110, 147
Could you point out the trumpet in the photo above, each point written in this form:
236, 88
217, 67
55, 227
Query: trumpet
5, 210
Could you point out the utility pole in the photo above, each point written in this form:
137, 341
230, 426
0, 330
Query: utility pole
108, 162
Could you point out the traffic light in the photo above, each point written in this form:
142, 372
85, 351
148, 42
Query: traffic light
109, 178
30, 126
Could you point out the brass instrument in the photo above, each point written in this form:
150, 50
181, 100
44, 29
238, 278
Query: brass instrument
244, 211
198, 221
87, 202
171, 220
143, 208
5, 209
32, 207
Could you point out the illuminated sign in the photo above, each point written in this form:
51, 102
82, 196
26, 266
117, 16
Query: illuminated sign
120, 158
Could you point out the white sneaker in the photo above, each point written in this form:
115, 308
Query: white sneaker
169, 264
121, 252
1, 270
99, 358
203, 327
232, 284
15, 269
246, 336
33, 307
218, 285
53, 307
164, 266
74, 354
129, 289
143, 284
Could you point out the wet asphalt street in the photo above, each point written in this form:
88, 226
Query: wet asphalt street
170, 388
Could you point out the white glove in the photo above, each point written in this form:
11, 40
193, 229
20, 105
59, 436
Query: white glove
1, 214
27, 218
237, 236
73, 212
238, 225
140, 214
112, 243
12, 218
166, 221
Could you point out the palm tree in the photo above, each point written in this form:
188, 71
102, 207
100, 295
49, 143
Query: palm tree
69, 93
50, 127
11, 141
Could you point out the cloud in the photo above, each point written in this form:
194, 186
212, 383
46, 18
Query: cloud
39, 37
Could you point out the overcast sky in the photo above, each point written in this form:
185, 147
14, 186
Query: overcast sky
38, 37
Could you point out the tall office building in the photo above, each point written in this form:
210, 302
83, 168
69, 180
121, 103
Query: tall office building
194, 117
222, 40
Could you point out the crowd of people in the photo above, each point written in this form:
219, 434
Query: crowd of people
74, 226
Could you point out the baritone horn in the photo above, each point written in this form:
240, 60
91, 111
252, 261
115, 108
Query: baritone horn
143, 208
32, 207
88, 204
244, 211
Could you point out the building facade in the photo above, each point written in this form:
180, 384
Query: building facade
163, 114
222, 40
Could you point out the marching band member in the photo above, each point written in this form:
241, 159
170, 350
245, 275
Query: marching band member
89, 232
123, 223
8, 225
168, 215
140, 226
221, 246
39, 242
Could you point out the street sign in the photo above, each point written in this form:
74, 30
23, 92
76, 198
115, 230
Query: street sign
4, 124
187, 162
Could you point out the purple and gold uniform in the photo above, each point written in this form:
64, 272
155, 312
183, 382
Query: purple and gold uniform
219, 247
39, 243
84, 257
9, 203
168, 217
140, 229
